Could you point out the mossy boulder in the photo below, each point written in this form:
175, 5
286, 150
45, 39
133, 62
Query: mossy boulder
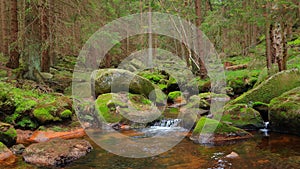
28, 108
210, 131
271, 88
119, 80
242, 116
8, 134
125, 108
56, 110
285, 112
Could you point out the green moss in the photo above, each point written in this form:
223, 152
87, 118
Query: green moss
271, 88
173, 95
43, 114
2, 146
206, 125
104, 111
66, 114
153, 76
57, 129
285, 112
11, 132
243, 116
27, 122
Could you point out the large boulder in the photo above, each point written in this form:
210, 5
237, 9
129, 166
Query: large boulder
117, 80
126, 108
210, 131
285, 112
242, 116
56, 152
8, 134
271, 88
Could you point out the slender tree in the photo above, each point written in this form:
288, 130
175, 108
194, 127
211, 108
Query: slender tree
44, 22
14, 54
203, 71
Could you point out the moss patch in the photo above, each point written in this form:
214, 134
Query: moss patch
174, 95
242, 116
285, 112
271, 88
66, 114
206, 125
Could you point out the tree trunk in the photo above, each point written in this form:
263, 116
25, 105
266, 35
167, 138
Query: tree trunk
3, 6
14, 54
203, 71
284, 46
278, 45
268, 39
44, 21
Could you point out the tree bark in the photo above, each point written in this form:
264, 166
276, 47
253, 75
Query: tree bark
268, 39
4, 30
14, 54
203, 71
44, 21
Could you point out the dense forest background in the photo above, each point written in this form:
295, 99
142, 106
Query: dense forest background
36, 34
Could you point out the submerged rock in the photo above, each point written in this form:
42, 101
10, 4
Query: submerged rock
57, 152
8, 134
210, 131
232, 155
285, 112
271, 88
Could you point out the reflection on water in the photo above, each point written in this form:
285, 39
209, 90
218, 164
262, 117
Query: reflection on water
276, 151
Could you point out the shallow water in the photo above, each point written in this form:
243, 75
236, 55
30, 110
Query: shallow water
278, 151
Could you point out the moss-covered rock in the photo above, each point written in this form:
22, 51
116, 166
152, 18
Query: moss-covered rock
125, 107
271, 88
210, 131
28, 108
242, 116
8, 134
285, 112
121, 80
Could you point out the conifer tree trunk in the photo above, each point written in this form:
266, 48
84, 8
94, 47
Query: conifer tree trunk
45, 60
14, 54
203, 71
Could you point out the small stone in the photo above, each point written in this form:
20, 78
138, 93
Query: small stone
232, 155
17, 149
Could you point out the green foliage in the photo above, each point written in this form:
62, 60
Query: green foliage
173, 95
11, 132
27, 122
